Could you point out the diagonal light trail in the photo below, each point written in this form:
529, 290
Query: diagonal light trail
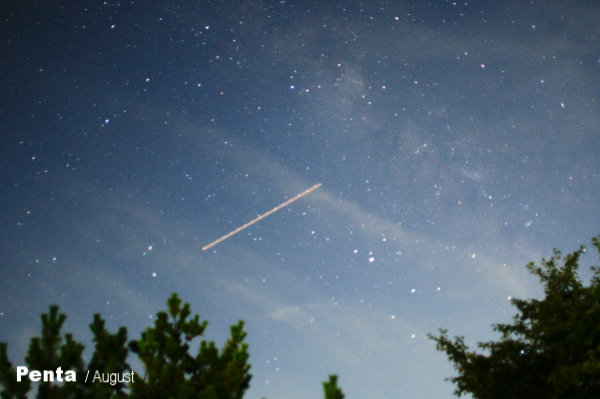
264, 215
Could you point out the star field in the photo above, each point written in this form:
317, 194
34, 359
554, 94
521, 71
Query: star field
455, 142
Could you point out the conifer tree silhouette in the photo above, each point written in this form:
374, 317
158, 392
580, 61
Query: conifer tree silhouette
50, 351
332, 391
170, 371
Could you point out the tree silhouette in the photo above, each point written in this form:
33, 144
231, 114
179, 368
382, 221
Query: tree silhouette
332, 391
49, 352
11, 389
170, 372
552, 348
110, 356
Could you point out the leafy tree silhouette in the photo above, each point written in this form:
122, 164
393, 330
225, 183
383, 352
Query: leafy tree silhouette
552, 349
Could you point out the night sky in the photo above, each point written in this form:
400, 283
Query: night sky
455, 142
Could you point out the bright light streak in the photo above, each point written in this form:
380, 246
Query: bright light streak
264, 215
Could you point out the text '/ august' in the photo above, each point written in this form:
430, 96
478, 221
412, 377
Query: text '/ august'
112, 378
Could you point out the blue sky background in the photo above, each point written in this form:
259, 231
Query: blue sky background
455, 142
